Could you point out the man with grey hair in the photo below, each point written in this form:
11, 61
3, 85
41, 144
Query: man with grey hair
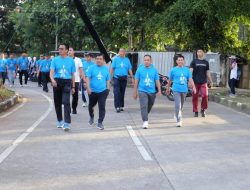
120, 69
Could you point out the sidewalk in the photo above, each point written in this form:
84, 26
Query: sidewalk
241, 102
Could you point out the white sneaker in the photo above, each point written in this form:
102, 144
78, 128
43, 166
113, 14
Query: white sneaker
84, 105
145, 125
179, 124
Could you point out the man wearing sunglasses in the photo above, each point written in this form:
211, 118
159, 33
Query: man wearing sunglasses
63, 81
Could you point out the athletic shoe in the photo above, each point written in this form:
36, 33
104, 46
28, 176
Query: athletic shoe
74, 111
118, 110
84, 104
145, 125
121, 109
203, 114
91, 121
179, 124
66, 127
100, 126
196, 114
60, 124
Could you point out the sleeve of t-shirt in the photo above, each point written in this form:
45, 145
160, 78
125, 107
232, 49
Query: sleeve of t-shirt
207, 66
88, 74
192, 64
52, 66
80, 63
108, 75
189, 74
73, 68
137, 74
156, 75
129, 64
113, 63
171, 76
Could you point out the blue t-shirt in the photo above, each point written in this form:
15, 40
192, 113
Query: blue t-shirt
87, 65
121, 66
147, 77
180, 76
63, 67
3, 65
98, 77
23, 63
45, 65
11, 63
38, 63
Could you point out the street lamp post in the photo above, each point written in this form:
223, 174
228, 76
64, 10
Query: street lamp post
57, 20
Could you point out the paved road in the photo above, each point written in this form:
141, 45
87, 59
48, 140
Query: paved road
206, 154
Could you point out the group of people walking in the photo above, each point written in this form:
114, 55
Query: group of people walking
70, 75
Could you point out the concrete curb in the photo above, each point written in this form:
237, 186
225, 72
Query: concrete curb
9, 103
229, 103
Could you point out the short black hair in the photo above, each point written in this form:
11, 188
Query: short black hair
64, 44
178, 56
100, 55
147, 55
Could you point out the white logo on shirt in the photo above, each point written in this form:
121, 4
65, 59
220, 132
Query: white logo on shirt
122, 64
147, 80
182, 79
99, 76
62, 72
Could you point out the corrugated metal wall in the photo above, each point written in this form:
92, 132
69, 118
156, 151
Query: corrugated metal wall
163, 61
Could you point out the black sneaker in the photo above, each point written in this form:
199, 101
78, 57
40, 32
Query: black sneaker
203, 114
74, 112
121, 109
196, 114
91, 121
100, 126
118, 110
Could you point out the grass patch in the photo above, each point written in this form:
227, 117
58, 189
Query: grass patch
5, 94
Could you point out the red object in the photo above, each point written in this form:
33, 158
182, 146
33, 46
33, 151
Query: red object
203, 90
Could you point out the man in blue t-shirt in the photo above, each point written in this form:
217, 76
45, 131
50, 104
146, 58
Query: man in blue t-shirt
87, 63
39, 74
146, 81
98, 86
179, 77
11, 68
44, 69
23, 66
3, 69
62, 78
120, 69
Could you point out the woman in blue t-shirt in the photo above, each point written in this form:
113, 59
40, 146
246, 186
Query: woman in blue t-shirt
180, 76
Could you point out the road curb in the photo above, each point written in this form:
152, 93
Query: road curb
9, 103
230, 103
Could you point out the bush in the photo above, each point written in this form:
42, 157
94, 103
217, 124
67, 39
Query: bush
5, 93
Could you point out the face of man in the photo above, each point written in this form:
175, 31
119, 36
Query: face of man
200, 54
71, 52
41, 57
87, 57
62, 50
11, 56
46, 57
122, 52
23, 55
147, 61
99, 60
180, 61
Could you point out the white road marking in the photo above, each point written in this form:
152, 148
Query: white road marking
14, 110
144, 153
23, 136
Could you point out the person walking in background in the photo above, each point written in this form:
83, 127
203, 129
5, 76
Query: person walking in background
201, 74
233, 76
98, 87
62, 78
120, 69
39, 74
78, 76
23, 66
87, 63
44, 69
179, 77
3, 69
146, 81
11, 68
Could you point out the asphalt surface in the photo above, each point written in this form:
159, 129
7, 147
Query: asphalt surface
209, 153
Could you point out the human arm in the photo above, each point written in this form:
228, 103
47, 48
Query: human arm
158, 85
135, 89
88, 85
51, 75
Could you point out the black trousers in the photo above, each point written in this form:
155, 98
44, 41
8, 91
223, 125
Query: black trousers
83, 90
26, 75
3, 76
101, 99
62, 96
232, 84
119, 92
45, 80
75, 96
39, 79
